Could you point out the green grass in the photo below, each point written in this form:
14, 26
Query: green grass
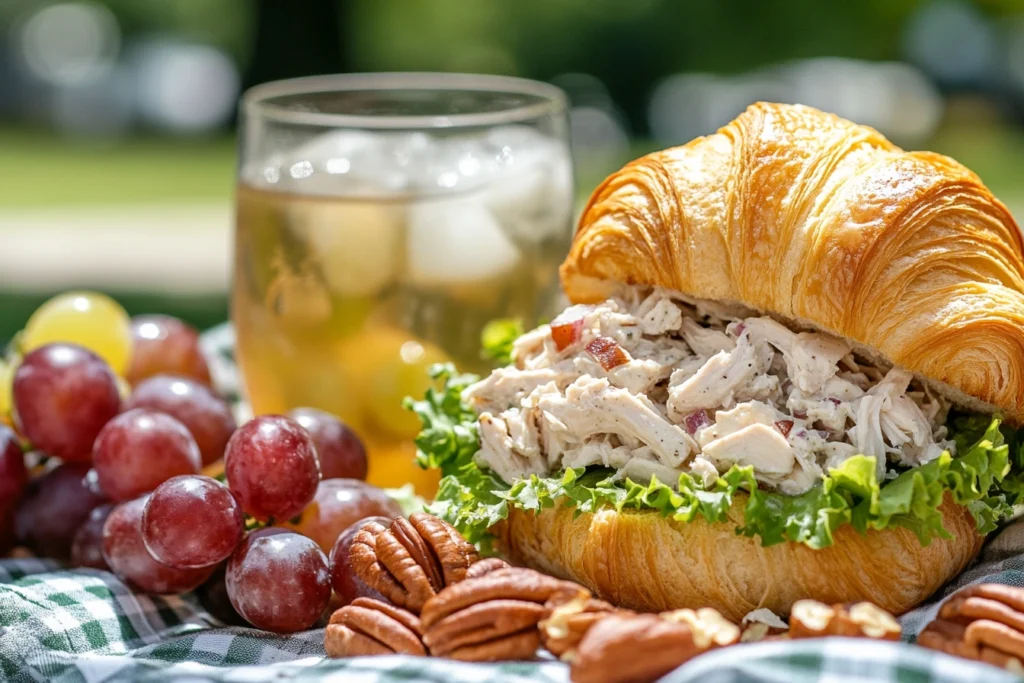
39, 169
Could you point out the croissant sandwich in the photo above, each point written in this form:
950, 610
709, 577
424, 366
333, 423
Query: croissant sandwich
791, 369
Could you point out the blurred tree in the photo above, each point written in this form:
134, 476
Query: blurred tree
628, 45
297, 39
226, 24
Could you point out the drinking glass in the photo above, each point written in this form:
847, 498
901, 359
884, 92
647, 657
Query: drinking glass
381, 221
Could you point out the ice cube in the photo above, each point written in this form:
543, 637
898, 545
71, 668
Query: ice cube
515, 137
457, 241
452, 165
312, 167
531, 191
347, 162
298, 298
357, 243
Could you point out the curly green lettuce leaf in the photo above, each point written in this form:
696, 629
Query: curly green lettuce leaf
449, 436
979, 478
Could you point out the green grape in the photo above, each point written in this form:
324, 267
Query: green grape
6, 376
402, 372
88, 319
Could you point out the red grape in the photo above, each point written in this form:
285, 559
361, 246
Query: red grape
164, 345
13, 477
63, 395
192, 521
214, 596
347, 585
141, 449
87, 546
55, 505
207, 416
272, 468
341, 452
279, 581
337, 504
128, 558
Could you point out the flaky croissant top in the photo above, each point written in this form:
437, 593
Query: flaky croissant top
805, 215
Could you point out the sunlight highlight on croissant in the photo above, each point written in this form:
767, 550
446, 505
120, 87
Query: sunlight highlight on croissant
803, 214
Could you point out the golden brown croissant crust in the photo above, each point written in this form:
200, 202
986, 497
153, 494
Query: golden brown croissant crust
641, 560
809, 216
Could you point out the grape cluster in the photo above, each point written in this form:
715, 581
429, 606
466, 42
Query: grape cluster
107, 426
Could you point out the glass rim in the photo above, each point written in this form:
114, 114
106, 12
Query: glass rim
255, 101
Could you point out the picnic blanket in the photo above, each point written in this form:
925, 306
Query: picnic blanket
86, 626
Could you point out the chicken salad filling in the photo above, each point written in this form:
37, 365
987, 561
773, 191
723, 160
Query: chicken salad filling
657, 384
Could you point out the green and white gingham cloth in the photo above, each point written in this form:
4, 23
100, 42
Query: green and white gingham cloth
86, 626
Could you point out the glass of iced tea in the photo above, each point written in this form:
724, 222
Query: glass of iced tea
382, 221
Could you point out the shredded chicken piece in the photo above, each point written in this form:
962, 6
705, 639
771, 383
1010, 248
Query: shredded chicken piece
507, 386
498, 450
715, 383
791, 403
759, 445
705, 341
592, 406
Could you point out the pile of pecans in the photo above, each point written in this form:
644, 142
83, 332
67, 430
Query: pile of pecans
984, 622
442, 600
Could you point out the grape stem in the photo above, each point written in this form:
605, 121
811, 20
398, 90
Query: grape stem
252, 524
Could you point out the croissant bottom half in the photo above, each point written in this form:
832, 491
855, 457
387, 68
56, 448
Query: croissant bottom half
643, 561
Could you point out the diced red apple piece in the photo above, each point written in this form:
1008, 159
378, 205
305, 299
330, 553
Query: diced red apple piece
784, 426
697, 420
607, 352
566, 334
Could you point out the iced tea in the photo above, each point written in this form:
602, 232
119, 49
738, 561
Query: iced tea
363, 257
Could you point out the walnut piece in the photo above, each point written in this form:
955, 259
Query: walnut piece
984, 622
492, 617
371, 627
813, 619
411, 560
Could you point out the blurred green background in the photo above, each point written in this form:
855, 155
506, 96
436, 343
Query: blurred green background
117, 152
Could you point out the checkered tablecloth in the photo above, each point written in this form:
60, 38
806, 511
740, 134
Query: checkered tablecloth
86, 626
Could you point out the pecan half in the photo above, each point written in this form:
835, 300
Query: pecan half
486, 566
371, 627
412, 560
983, 622
635, 648
709, 628
867, 620
810, 619
632, 649
813, 619
492, 617
567, 619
